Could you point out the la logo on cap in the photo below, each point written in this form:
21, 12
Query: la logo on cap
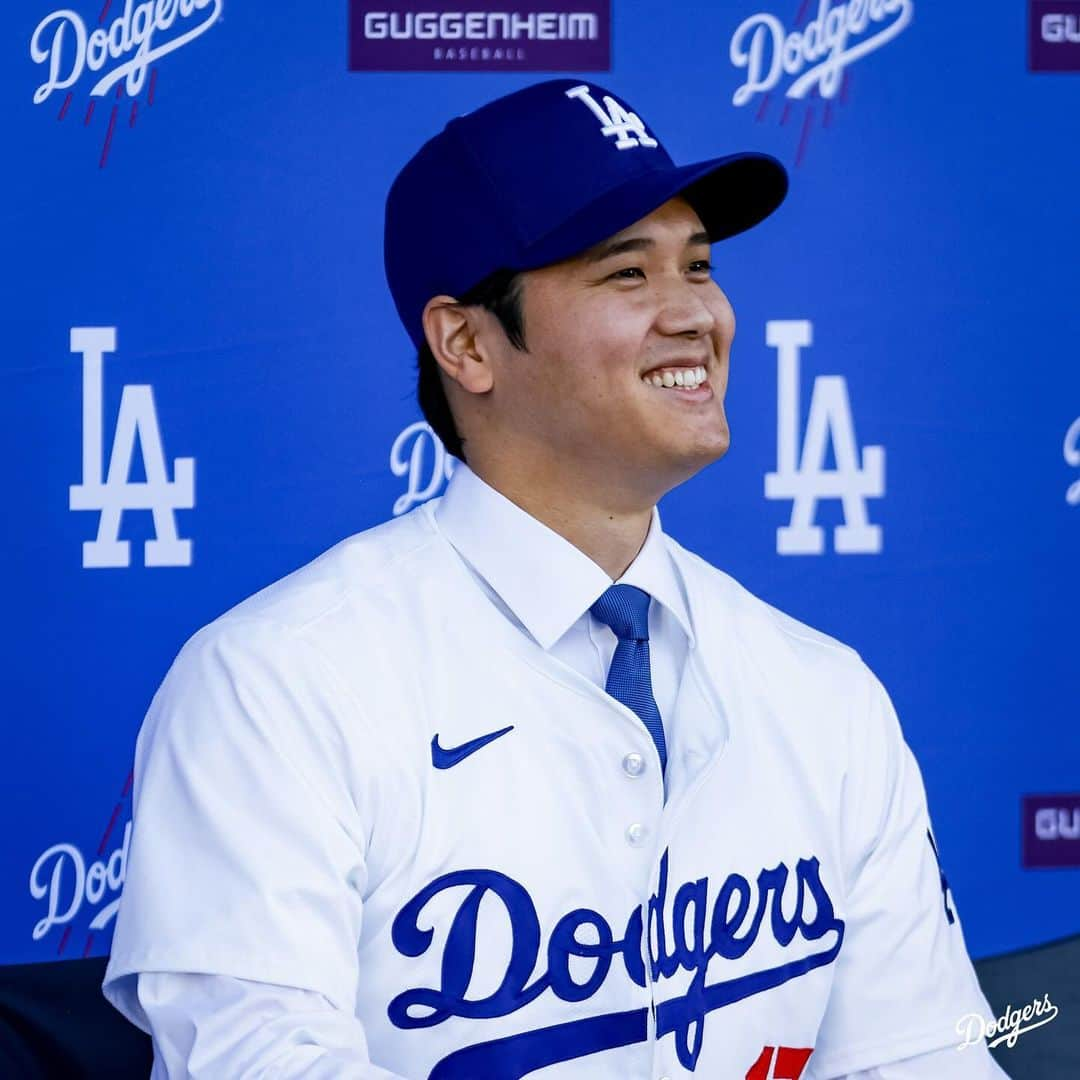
616, 121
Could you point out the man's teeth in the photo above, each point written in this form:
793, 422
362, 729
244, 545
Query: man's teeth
688, 377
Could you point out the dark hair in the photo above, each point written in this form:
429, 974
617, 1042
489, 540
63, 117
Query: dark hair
500, 293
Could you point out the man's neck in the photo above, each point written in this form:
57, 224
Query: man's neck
610, 534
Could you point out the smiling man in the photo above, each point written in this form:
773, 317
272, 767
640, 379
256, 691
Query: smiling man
516, 785
616, 397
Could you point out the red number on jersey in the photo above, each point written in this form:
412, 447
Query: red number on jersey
787, 1063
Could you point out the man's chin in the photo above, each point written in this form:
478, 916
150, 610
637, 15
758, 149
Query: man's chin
711, 446
688, 461
711, 454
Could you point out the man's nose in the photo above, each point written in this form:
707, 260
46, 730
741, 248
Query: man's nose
683, 311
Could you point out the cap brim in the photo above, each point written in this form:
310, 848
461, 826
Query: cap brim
730, 194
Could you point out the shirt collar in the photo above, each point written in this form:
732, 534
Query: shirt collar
545, 580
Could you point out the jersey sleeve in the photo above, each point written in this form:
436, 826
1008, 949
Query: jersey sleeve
975, 1063
903, 977
247, 852
215, 1025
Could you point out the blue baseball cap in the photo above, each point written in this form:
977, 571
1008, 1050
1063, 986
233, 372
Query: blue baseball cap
541, 175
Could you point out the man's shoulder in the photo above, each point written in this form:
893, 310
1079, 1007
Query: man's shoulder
804, 673
390, 556
376, 558
716, 595
291, 658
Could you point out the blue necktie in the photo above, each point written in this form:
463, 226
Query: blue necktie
625, 608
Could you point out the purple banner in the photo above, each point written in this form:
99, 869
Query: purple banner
494, 35
1051, 830
1054, 35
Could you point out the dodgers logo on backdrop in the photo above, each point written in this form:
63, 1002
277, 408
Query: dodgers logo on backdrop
61, 877
700, 932
802, 477
137, 420
626, 126
419, 455
816, 56
121, 52
1072, 457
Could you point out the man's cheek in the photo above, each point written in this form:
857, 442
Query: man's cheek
725, 322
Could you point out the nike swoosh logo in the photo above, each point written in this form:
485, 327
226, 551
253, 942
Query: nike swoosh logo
445, 757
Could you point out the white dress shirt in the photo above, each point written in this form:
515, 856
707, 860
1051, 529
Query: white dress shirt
221, 1026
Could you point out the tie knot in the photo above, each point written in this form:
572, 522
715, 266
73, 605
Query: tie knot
625, 608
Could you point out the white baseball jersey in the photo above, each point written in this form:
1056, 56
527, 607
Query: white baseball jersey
371, 784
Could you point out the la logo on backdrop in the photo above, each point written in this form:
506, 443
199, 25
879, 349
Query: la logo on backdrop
111, 493
802, 476
115, 59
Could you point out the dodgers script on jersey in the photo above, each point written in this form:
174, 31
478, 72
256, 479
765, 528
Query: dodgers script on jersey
365, 781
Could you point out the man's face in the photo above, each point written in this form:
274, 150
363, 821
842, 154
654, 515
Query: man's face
601, 329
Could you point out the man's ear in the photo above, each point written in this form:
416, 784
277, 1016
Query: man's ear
452, 332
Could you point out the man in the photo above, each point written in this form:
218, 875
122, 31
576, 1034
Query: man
515, 784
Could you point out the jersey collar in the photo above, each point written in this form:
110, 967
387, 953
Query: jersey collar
545, 580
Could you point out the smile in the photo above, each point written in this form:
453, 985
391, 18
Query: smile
675, 376
685, 382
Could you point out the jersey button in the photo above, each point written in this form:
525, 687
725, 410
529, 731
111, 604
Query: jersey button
633, 764
635, 834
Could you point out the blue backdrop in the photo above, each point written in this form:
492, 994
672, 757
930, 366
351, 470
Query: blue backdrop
224, 214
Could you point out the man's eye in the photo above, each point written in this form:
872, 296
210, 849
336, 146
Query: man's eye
628, 273
701, 266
